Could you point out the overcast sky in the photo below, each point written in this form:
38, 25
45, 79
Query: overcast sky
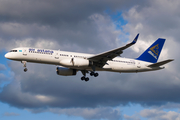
91, 26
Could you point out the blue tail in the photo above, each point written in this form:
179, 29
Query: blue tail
153, 52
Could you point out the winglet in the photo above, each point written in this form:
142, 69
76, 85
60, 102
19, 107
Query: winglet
135, 39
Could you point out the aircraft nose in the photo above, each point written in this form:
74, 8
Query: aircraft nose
7, 55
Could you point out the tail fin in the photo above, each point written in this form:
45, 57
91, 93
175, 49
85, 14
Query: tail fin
153, 52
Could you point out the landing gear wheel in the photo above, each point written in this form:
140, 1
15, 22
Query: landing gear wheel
86, 79
83, 78
96, 74
92, 73
25, 69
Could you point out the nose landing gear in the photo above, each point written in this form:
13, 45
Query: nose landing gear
25, 69
24, 62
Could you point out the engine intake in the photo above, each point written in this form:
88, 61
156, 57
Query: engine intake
65, 71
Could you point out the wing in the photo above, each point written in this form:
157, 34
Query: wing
102, 58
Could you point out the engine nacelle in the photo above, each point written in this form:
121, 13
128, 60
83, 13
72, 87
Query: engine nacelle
76, 62
65, 71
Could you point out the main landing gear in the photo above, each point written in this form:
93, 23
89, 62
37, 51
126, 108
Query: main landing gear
86, 78
24, 62
94, 74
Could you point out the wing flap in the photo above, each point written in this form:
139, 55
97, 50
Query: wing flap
160, 63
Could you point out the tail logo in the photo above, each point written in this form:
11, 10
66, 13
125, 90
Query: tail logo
154, 51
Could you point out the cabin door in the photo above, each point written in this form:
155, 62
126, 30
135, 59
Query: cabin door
56, 55
25, 51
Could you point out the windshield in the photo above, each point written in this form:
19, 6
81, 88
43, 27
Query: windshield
13, 51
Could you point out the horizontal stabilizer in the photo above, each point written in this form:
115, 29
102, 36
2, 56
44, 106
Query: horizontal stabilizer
160, 63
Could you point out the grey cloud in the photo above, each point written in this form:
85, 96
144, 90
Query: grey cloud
84, 37
7, 114
2, 67
109, 89
66, 22
154, 114
41, 88
107, 113
133, 117
89, 113
4, 79
55, 11
155, 20
169, 105
159, 115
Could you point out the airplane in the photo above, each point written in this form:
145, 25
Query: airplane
69, 63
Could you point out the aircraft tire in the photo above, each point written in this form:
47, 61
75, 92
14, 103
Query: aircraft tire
82, 78
86, 79
25, 69
92, 73
96, 74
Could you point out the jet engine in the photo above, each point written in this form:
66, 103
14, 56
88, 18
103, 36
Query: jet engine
76, 62
65, 71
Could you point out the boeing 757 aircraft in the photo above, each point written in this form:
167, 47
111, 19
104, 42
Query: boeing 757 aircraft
69, 63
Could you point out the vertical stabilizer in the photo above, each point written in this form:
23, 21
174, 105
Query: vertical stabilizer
153, 52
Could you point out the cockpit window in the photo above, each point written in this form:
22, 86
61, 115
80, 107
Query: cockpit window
13, 51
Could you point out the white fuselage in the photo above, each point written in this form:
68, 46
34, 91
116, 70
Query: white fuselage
54, 57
